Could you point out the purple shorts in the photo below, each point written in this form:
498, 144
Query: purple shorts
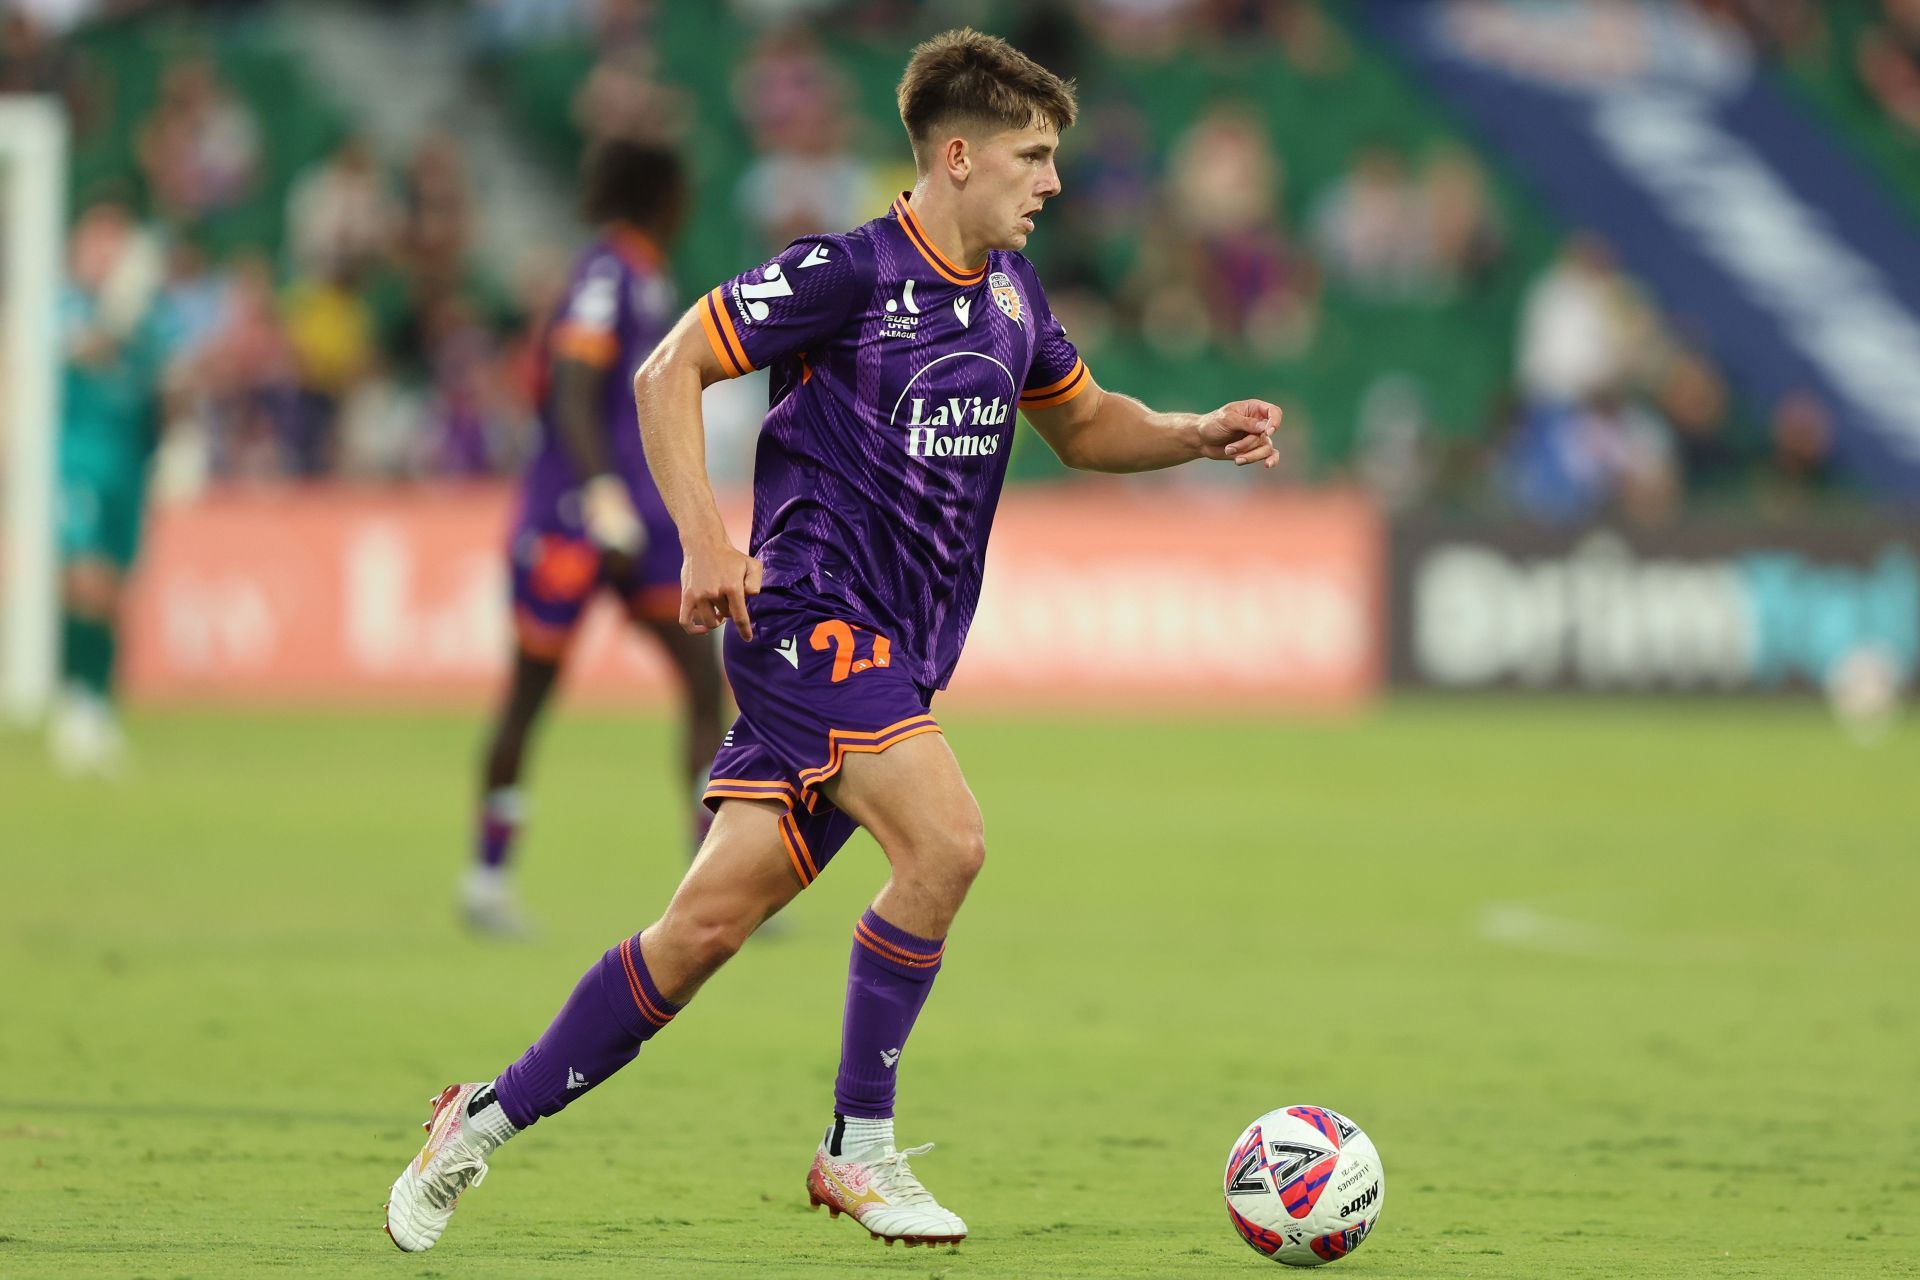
813, 688
557, 571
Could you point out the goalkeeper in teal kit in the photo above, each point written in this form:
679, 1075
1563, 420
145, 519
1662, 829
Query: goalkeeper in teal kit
114, 348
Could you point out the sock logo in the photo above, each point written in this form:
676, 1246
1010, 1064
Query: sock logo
889, 1057
575, 1080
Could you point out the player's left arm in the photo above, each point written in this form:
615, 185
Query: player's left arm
584, 347
1101, 430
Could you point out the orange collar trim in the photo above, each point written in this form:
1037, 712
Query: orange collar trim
910, 223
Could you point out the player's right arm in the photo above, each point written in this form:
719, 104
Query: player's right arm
716, 577
795, 302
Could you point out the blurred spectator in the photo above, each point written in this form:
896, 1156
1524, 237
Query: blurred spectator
1583, 333
1775, 27
620, 24
781, 13
1583, 445
240, 378
200, 148
1109, 173
436, 229
1394, 446
787, 91
331, 330
1799, 466
58, 17
1567, 463
191, 299
340, 218
1888, 57
1370, 229
807, 176
1139, 28
34, 60
1694, 399
1258, 292
501, 23
1310, 43
1463, 239
465, 433
621, 98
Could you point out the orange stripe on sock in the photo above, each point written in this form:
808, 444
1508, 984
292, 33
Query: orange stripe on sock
887, 951
647, 1009
939, 948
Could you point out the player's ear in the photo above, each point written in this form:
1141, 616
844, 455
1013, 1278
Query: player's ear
957, 155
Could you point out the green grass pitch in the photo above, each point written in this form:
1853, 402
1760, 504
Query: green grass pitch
1622, 989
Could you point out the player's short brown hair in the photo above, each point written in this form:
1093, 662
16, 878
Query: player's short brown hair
964, 77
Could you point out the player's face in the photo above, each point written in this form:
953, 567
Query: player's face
1013, 175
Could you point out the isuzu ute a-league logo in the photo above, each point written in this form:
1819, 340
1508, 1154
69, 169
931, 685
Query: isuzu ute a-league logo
958, 406
903, 313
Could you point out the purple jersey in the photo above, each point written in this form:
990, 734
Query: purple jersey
619, 304
896, 376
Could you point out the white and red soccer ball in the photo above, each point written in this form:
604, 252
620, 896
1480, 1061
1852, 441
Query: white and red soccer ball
1304, 1186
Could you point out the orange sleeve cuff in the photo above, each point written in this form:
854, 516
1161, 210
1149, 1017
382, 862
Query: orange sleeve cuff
717, 323
1060, 392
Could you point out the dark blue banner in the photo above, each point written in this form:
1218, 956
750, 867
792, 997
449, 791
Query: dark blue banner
1758, 233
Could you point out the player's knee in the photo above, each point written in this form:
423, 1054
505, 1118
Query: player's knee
951, 859
709, 942
969, 854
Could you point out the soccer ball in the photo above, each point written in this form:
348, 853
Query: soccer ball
1304, 1186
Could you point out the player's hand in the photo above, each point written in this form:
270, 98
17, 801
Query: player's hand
715, 582
1241, 433
611, 522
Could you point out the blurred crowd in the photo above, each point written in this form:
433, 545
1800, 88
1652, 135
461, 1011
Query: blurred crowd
371, 343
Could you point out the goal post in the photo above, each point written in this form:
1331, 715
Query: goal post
33, 183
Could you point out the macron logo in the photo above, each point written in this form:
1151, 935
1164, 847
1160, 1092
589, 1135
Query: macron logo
575, 1080
889, 1057
815, 258
790, 650
963, 311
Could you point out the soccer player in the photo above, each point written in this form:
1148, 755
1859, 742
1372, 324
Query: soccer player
900, 351
590, 517
116, 346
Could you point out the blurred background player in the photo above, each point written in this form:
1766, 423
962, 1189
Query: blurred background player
590, 518
114, 348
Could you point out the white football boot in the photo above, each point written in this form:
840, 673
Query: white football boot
84, 737
489, 906
428, 1189
883, 1195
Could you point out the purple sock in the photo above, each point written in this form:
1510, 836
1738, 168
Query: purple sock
613, 1010
500, 815
887, 981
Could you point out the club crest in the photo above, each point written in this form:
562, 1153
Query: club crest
1006, 297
